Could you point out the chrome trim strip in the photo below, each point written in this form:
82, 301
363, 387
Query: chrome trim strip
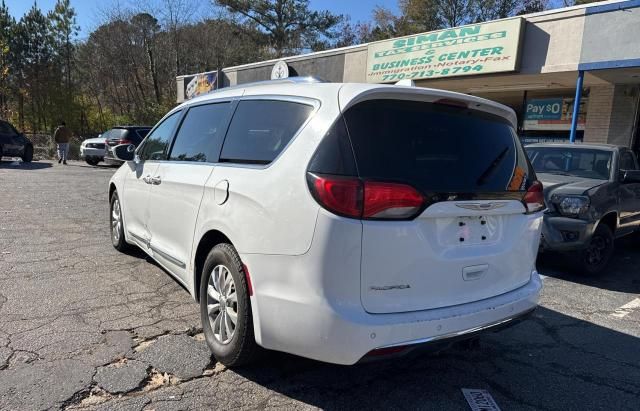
481, 206
459, 333
138, 238
168, 257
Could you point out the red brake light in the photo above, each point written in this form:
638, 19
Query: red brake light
390, 200
124, 141
534, 198
350, 197
341, 195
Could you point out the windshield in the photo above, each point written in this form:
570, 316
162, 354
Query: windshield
578, 162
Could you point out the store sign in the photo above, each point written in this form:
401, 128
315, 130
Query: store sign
280, 70
461, 51
553, 114
199, 84
544, 109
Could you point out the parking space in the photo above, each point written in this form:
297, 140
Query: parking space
84, 327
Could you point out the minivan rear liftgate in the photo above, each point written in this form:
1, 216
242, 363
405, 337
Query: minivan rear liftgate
446, 197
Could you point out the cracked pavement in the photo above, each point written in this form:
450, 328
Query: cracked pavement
85, 327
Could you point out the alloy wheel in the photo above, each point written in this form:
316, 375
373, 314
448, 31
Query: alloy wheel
116, 220
222, 304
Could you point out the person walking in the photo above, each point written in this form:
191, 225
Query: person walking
62, 137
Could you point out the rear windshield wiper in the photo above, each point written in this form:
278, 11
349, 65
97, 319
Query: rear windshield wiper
494, 164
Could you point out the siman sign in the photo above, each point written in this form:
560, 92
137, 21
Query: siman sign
475, 49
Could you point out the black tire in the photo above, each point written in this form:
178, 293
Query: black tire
241, 348
594, 259
27, 155
92, 161
118, 241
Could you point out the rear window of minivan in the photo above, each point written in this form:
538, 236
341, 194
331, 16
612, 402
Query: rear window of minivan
436, 147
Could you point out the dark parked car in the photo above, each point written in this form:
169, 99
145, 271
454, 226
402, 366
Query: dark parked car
592, 194
122, 135
14, 144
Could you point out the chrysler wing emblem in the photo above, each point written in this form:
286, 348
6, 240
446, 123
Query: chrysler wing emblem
481, 206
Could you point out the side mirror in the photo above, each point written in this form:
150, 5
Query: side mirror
124, 152
630, 176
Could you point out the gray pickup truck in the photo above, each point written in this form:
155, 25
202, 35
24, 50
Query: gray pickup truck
592, 194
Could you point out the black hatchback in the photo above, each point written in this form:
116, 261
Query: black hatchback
122, 135
14, 144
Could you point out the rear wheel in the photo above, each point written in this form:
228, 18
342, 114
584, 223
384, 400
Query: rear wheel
596, 256
92, 161
225, 308
117, 225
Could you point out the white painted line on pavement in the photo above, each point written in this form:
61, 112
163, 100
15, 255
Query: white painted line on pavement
627, 309
479, 400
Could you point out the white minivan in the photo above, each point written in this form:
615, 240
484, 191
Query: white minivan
336, 221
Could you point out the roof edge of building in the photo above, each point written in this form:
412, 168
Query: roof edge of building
606, 4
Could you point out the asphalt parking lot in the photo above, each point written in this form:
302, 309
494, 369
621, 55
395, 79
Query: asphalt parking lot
84, 327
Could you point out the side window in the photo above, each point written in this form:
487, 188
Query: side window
261, 129
201, 132
627, 162
156, 145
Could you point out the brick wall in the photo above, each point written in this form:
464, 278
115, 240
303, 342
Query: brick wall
599, 114
611, 114
622, 121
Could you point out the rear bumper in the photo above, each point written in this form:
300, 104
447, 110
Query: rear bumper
343, 333
91, 153
565, 234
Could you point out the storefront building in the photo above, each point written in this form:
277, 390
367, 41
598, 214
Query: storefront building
537, 64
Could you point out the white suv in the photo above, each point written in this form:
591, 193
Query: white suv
336, 221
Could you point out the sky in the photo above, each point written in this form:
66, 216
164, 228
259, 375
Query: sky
89, 11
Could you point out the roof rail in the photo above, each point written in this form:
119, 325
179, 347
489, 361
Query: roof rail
295, 80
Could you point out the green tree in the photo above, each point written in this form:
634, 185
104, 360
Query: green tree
485, 10
7, 24
64, 29
290, 25
532, 6
147, 29
33, 57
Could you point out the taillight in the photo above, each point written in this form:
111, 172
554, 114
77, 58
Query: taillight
390, 200
341, 195
534, 198
351, 197
118, 142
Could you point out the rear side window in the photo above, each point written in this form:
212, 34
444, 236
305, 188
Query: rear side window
261, 129
334, 154
118, 133
142, 132
200, 135
627, 162
436, 147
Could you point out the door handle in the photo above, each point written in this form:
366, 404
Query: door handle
147, 179
156, 180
